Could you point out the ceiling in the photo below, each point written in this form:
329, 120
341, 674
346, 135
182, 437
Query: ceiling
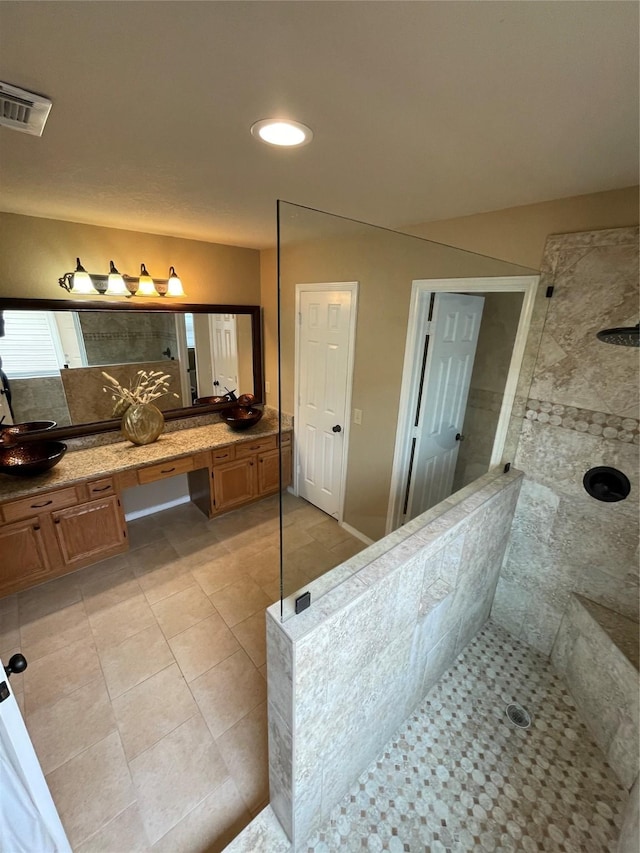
421, 110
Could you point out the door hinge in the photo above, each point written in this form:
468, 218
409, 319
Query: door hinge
549, 292
427, 327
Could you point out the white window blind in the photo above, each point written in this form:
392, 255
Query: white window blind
30, 346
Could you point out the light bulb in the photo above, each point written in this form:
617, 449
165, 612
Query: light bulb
146, 286
81, 279
174, 286
282, 132
115, 285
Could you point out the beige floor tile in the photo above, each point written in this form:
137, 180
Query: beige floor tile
245, 751
176, 774
152, 709
46, 634
228, 692
97, 577
113, 625
251, 634
265, 568
239, 600
328, 533
136, 659
294, 579
9, 604
304, 516
63, 729
142, 532
154, 555
211, 826
202, 547
214, 574
295, 537
113, 587
263, 671
344, 550
204, 645
164, 580
47, 598
313, 560
182, 610
59, 674
92, 788
124, 834
9, 630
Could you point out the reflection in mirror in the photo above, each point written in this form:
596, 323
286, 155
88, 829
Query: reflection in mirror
53, 360
402, 364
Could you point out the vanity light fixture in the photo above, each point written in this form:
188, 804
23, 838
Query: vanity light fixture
81, 280
81, 283
174, 285
146, 285
282, 132
115, 282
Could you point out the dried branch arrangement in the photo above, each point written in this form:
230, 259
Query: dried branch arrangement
144, 388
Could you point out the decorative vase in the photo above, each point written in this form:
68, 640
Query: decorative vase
142, 423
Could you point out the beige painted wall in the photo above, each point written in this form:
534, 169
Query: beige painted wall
35, 252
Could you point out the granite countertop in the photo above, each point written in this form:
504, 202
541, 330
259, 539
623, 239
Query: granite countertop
79, 465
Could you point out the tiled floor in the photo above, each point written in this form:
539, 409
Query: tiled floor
460, 777
145, 694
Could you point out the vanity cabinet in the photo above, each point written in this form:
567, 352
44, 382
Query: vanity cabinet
55, 531
26, 548
58, 531
90, 531
248, 471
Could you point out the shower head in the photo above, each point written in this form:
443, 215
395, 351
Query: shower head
625, 336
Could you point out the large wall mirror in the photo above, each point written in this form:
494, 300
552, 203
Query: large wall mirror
54, 352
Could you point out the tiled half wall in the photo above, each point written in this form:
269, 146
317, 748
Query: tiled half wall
582, 412
344, 674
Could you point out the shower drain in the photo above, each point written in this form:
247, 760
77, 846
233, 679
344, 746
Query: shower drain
518, 716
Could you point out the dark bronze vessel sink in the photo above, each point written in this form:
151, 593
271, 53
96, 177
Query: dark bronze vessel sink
26, 428
241, 417
29, 459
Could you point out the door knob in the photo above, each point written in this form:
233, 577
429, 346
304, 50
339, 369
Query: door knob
17, 664
336, 428
459, 436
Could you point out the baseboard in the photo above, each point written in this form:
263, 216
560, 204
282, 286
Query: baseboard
149, 510
356, 533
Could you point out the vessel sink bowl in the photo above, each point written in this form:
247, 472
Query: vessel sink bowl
241, 417
31, 458
26, 428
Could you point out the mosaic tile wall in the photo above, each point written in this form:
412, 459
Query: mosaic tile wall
582, 412
344, 674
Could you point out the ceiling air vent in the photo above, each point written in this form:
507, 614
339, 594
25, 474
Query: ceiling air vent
22, 110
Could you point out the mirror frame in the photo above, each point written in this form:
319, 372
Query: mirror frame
167, 307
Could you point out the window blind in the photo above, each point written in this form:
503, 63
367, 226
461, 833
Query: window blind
30, 345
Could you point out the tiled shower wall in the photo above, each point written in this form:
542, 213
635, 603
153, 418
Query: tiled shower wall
344, 674
582, 412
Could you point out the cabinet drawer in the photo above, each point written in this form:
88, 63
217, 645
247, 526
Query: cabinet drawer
248, 448
28, 507
100, 488
224, 454
165, 469
285, 439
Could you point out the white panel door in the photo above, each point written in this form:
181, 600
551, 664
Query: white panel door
451, 348
224, 346
29, 821
323, 379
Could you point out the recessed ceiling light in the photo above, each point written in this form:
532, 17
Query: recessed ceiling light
282, 132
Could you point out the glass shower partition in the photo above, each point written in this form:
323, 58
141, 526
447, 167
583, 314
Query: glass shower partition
391, 410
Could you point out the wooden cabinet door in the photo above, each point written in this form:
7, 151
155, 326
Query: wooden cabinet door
90, 531
234, 483
25, 557
269, 470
